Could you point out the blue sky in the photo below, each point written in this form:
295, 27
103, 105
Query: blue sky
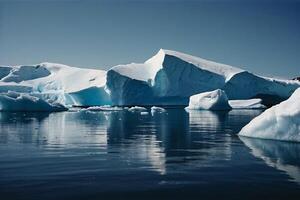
260, 36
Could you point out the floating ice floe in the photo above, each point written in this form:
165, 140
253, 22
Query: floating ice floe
155, 109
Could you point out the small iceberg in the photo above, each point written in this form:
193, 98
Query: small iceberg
155, 109
280, 122
214, 100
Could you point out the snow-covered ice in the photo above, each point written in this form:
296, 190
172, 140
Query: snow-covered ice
13, 101
247, 104
67, 85
214, 100
170, 78
137, 109
280, 122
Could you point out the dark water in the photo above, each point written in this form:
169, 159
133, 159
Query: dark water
122, 155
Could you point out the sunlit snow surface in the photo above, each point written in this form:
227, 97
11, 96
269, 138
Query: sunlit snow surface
280, 122
214, 100
170, 78
59, 83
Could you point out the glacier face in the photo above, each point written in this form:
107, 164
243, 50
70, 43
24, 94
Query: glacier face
170, 78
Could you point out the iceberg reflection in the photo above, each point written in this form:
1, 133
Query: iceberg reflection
283, 156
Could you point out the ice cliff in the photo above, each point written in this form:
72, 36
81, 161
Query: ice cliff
170, 78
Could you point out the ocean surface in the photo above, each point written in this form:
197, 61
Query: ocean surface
123, 155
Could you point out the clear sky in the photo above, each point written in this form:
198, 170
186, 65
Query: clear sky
260, 36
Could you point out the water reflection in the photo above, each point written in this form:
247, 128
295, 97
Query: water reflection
165, 143
283, 156
78, 154
54, 129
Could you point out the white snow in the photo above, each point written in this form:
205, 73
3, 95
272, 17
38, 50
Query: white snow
247, 104
137, 109
69, 85
170, 78
226, 70
13, 101
104, 108
280, 122
155, 109
214, 100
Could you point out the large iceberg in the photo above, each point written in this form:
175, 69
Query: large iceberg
170, 78
59, 83
214, 100
280, 122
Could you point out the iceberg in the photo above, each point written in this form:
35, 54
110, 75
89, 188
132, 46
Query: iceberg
170, 78
280, 122
64, 84
247, 104
214, 100
13, 101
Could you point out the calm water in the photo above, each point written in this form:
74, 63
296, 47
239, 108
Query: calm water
122, 155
